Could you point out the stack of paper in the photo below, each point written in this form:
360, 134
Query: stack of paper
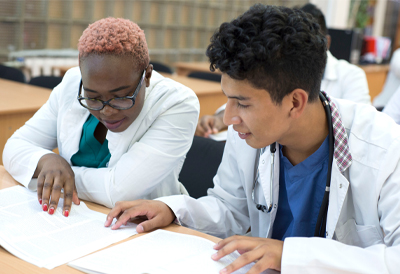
52, 240
158, 252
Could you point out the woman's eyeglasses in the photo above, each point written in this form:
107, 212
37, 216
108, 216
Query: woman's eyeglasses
117, 103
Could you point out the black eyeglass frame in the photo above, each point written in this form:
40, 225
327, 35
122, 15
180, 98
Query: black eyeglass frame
133, 97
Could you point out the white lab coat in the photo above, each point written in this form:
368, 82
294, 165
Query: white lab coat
345, 81
364, 206
392, 82
146, 158
392, 108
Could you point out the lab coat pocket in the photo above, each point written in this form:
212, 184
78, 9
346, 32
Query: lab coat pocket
359, 235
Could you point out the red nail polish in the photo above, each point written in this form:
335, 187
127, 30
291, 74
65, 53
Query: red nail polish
51, 211
44, 207
66, 213
40, 201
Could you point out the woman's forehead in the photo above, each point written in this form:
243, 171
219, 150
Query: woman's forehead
107, 68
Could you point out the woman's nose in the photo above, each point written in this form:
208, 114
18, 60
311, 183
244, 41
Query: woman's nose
108, 111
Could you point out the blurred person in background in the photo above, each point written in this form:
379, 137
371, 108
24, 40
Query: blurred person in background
392, 83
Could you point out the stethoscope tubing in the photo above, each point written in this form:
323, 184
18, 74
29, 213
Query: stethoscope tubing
320, 227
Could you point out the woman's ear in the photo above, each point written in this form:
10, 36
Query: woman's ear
149, 71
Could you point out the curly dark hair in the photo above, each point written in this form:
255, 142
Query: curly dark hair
317, 15
274, 48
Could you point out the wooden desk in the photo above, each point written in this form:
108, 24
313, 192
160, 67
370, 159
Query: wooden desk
376, 77
209, 93
18, 103
11, 264
184, 68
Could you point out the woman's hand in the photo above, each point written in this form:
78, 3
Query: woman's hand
266, 253
157, 213
55, 174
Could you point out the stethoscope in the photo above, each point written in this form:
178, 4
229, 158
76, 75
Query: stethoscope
320, 228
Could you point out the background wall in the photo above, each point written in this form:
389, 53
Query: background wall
176, 30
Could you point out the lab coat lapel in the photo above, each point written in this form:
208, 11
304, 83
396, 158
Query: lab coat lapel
71, 130
338, 192
264, 166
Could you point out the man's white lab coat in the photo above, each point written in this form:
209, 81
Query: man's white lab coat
363, 226
145, 160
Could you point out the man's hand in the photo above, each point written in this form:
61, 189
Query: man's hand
158, 214
266, 253
55, 174
210, 124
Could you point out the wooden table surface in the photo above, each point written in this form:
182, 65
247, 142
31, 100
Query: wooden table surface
376, 78
209, 93
11, 264
184, 68
18, 104
17, 97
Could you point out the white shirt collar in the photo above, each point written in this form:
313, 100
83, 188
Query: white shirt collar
330, 68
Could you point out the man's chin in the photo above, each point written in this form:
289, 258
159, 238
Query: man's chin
254, 144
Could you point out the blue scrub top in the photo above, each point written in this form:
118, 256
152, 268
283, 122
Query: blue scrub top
301, 190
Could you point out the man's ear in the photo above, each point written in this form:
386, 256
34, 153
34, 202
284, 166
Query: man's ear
298, 99
328, 41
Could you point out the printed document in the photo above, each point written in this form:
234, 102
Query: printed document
51, 240
158, 252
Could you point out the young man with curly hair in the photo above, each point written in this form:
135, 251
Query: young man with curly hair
340, 80
122, 130
315, 179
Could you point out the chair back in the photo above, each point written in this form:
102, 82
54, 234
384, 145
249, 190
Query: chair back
159, 67
45, 81
201, 165
12, 74
206, 76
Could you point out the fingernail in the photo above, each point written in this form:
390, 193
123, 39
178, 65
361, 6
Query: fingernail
51, 211
40, 201
66, 213
223, 271
215, 246
44, 207
214, 256
139, 229
114, 227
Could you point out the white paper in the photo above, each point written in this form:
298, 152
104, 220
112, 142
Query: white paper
52, 240
220, 136
158, 252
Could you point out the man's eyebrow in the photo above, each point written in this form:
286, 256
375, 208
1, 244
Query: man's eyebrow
240, 98
113, 90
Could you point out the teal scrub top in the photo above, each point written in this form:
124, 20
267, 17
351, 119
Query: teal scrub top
91, 152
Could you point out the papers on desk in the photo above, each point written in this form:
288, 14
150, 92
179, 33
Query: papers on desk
220, 136
158, 252
52, 240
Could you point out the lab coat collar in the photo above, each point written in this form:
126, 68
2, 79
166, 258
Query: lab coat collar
330, 68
